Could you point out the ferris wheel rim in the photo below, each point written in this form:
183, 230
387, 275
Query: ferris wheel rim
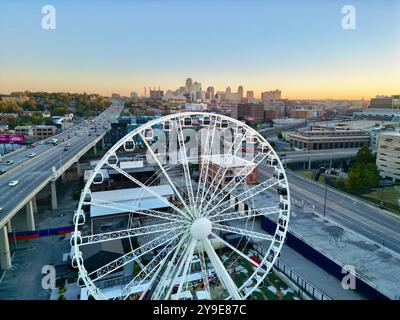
90, 284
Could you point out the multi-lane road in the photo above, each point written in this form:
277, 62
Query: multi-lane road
20, 157
32, 172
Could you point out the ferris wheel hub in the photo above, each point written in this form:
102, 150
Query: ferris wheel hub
201, 228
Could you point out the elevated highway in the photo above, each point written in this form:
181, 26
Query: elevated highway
33, 174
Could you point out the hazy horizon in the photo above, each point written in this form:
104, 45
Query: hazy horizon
107, 46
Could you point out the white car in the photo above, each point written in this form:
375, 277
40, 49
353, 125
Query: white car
31, 155
13, 183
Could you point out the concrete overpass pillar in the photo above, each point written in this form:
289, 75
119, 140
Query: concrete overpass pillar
330, 164
5, 256
34, 205
30, 218
78, 169
103, 146
53, 195
9, 227
309, 164
95, 149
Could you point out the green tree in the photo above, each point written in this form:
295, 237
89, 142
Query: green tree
280, 135
362, 177
364, 155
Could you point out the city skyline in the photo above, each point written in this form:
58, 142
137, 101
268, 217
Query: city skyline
262, 46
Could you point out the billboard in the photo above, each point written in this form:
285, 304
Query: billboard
11, 138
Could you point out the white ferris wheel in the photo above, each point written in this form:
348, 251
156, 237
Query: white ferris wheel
189, 190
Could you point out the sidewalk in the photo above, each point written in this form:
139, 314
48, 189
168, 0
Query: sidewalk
318, 277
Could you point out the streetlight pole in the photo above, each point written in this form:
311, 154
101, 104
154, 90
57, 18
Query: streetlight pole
326, 192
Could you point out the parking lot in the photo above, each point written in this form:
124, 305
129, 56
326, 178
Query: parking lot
23, 280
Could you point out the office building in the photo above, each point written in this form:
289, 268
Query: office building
250, 96
36, 133
250, 112
306, 113
240, 92
388, 155
329, 139
270, 95
156, 94
210, 93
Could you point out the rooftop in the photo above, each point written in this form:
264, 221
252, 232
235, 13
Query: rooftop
228, 160
132, 193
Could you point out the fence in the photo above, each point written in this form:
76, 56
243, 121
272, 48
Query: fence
303, 284
21, 235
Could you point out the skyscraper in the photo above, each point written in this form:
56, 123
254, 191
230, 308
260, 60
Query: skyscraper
240, 91
228, 90
250, 96
196, 93
189, 85
210, 93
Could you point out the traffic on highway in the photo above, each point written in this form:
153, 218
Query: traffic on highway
27, 172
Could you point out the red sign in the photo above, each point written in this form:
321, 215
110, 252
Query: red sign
11, 138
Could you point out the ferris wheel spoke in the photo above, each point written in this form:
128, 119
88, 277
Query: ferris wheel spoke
178, 269
201, 164
231, 185
243, 232
204, 271
245, 195
185, 164
150, 269
168, 203
133, 209
220, 176
221, 272
235, 250
133, 255
132, 232
210, 148
165, 173
245, 214
166, 276
186, 270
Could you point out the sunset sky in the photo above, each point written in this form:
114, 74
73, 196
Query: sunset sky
121, 46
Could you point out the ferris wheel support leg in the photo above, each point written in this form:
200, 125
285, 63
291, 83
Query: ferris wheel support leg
192, 245
222, 273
